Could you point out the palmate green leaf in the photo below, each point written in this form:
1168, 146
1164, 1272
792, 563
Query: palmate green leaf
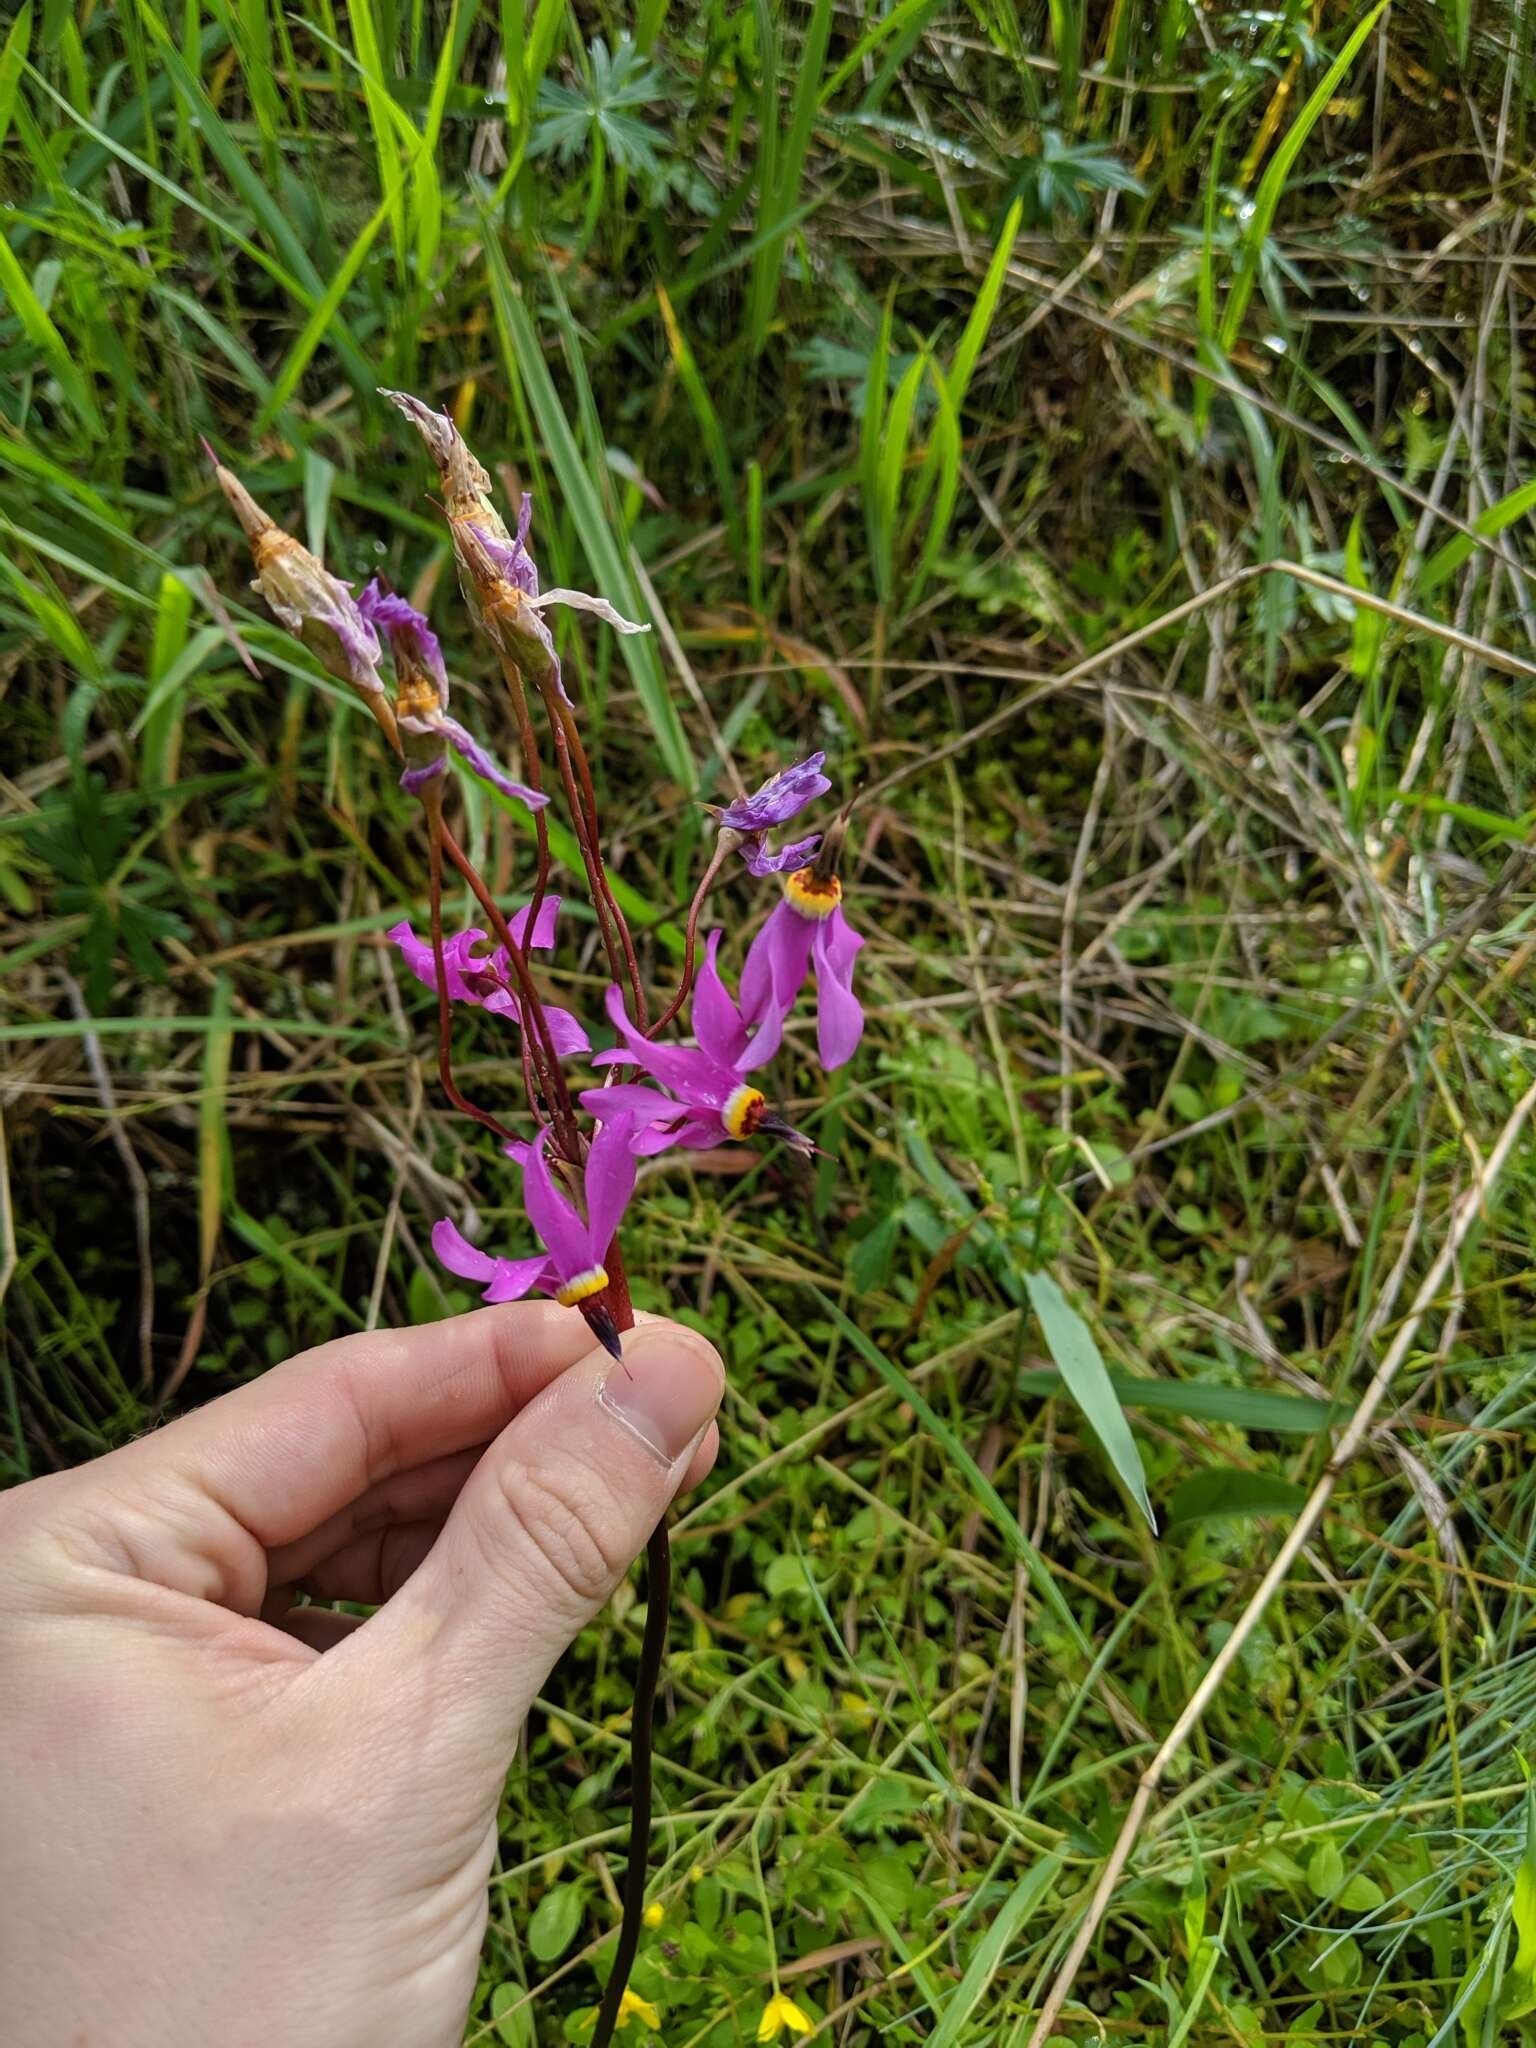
1071, 1343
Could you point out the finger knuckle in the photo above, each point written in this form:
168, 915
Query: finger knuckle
559, 1515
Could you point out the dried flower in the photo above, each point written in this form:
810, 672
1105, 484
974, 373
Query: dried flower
782, 2015
421, 700
571, 1266
484, 977
711, 1099
750, 818
807, 933
315, 606
498, 576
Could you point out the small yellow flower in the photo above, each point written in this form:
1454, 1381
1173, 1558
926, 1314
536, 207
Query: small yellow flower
655, 1914
633, 2007
781, 2014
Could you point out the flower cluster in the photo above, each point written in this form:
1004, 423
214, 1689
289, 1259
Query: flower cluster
657, 1092
694, 1096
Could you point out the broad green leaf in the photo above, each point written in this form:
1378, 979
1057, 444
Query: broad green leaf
556, 1919
1225, 1493
1071, 1343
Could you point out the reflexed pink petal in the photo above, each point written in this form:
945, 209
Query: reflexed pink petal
717, 1023
543, 932
777, 963
628, 1099
567, 1033
839, 1013
609, 1180
417, 954
508, 1279
552, 1213
691, 1075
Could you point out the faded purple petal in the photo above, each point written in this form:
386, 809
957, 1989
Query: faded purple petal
508, 1279
510, 558
470, 750
762, 859
780, 797
582, 601
839, 1013
554, 1216
777, 963
609, 1181
411, 640
414, 780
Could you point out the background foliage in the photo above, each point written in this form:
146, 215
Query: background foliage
922, 373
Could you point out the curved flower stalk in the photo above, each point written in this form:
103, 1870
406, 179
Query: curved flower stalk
484, 978
711, 1100
746, 823
572, 1265
315, 606
421, 701
808, 933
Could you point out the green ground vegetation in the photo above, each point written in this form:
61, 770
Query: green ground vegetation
938, 379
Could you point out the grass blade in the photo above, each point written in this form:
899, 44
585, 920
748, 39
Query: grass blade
1071, 1343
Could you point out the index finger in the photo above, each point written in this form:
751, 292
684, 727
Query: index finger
298, 1444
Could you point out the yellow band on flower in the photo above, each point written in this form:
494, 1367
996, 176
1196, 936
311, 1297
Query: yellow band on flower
593, 1281
812, 895
743, 1111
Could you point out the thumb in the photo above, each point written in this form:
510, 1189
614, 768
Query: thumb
549, 1522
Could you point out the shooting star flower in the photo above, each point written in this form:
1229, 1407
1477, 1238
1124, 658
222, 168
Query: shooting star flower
478, 974
710, 1098
421, 700
750, 818
808, 933
571, 1265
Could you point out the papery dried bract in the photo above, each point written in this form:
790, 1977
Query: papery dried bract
315, 606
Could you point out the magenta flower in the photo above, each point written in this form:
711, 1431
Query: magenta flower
710, 1099
421, 700
751, 818
571, 1265
484, 977
808, 933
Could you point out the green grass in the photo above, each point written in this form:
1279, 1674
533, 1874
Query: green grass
935, 368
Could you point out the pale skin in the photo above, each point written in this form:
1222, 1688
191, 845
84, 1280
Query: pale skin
228, 1820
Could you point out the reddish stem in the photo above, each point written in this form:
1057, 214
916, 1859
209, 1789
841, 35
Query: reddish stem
432, 803
690, 941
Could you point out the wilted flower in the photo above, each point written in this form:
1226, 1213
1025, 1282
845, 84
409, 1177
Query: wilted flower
808, 932
421, 700
782, 2015
315, 606
497, 574
750, 818
474, 973
571, 1265
711, 1098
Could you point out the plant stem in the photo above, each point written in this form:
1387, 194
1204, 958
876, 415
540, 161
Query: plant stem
658, 1595
432, 804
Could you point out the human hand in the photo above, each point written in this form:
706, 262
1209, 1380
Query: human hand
232, 1821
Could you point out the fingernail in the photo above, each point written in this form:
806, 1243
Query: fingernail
664, 1391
